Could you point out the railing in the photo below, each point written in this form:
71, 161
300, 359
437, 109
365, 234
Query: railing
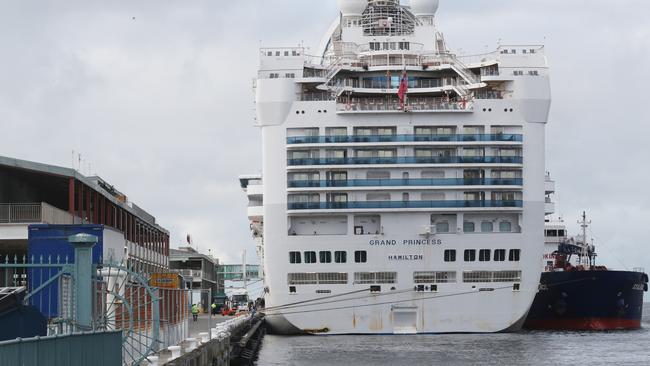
405, 182
385, 85
489, 94
409, 160
501, 137
402, 204
24, 213
189, 273
412, 104
315, 97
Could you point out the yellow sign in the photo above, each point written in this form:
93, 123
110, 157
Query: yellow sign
165, 280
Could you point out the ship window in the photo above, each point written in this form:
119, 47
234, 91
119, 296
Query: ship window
450, 255
470, 255
500, 255
310, 257
483, 255
560, 233
505, 226
340, 257
360, 256
270, 53
374, 197
325, 257
468, 227
514, 255
378, 174
487, 227
442, 227
277, 53
294, 257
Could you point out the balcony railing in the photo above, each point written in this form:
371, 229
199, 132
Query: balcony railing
404, 138
408, 160
412, 104
26, 213
405, 182
402, 204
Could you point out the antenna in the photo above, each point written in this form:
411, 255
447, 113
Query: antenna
584, 223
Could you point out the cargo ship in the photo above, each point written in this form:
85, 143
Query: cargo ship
581, 295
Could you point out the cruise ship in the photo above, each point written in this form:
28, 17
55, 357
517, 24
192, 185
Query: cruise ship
403, 185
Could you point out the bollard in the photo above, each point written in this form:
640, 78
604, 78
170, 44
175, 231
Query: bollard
191, 345
153, 360
175, 350
205, 337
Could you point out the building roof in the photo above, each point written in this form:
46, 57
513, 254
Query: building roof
95, 182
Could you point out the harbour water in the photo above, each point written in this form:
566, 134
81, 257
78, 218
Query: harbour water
524, 348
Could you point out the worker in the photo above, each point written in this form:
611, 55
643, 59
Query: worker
195, 312
214, 308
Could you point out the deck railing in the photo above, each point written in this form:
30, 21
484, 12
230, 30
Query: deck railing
408, 160
26, 213
405, 182
402, 204
499, 137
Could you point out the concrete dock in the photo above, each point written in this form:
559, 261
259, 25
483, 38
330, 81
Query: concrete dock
215, 340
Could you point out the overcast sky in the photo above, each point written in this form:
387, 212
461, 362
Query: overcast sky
157, 96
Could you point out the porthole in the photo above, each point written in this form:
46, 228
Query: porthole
511, 109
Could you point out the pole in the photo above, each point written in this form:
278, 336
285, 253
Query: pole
83, 245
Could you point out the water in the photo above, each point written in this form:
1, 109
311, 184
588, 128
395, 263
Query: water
524, 348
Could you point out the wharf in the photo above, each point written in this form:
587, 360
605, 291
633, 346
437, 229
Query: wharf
220, 341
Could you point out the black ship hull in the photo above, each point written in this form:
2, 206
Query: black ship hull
588, 300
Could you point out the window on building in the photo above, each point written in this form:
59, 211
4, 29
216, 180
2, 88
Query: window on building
442, 227
360, 256
484, 255
450, 255
470, 255
294, 257
468, 227
505, 226
340, 257
514, 255
310, 257
487, 227
500, 255
325, 257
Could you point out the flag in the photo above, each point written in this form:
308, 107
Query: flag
189, 239
403, 89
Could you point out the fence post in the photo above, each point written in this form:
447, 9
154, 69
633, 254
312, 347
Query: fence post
83, 245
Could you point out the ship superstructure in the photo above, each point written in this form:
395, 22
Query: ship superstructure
389, 214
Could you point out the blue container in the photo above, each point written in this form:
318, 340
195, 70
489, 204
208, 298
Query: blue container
49, 244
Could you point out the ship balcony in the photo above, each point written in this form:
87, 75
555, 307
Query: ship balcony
549, 207
254, 190
392, 86
549, 185
255, 212
392, 205
294, 140
407, 160
388, 104
449, 182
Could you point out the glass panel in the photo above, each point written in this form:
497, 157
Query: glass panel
487, 227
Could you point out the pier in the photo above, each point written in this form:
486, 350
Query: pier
232, 341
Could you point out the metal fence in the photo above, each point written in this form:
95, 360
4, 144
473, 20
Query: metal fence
76, 295
95, 348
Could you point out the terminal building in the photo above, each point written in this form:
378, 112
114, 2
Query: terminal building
199, 272
35, 193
